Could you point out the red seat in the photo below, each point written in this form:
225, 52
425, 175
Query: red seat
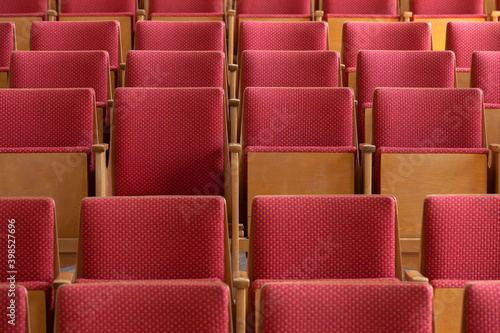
8, 44
481, 304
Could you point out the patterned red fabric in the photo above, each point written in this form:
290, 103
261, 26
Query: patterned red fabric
288, 149
289, 69
18, 294
7, 42
179, 238
283, 7
462, 237
374, 7
464, 38
62, 69
175, 69
30, 7
169, 141
481, 307
148, 281
169, 307
383, 36
485, 65
283, 36
419, 69
447, 7
180, 36
347, 307
187, 7
298, 117
78, 36
323, 237
98, 6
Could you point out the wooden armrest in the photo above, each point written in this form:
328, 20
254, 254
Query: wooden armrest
100, 147
63, 278
51, 15
318, 15
233, 115
407, 16
415, 276
241, 280
232, 67
235, 148
494, 147
342, 68
494, 15
367, 148
241, 283
233, 102
123, 66
140, 15
231, 12
100, 168
367, 151
111, 103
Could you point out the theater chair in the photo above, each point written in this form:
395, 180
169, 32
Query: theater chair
484, 67
344, 307
412, 69
439, 13
122, 11
481, 307
67, 69
22, 13
304, 238
463, 38
427, 141
46, 150
81, 36
460, 244
8, 44
294, 141
29, 231
193, 10
339, 11
144, 307
180, 36
358, 36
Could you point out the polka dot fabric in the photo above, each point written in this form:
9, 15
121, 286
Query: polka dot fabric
20, 309
31, 7
289, 69
383, 36
481, 307
99, 6
180, 36
347, 307
78, 36
175, 69
152, 238
485, 65
283, 36
373, 8
412, 69
464, 38
155, 307
323, 237
289, 117
186, 7
447, 7
277, 7
462, 238
62, 69
169, 141
7, 42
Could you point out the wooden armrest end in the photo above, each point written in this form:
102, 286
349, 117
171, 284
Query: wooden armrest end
415, 276
241, 280
366, 148
100, 147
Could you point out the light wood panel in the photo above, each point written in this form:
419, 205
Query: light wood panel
3, 80
37, 311
448, 307
492, 119
23, 30
463, 79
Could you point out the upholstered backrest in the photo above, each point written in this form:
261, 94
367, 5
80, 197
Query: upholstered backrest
374, 7
152, 238
289, 69
277, 7
7, 42
383, 36
462, 237
168, 141
175, 69
347, 307
28, 229
323, 237
167, 307
482, 307
16, 313
180, 36
485, 65
435, 118
98, 6
187, 7
446, 7
42, 118
23, 6
283, 36
298, 117
464, 38
61, 69
78, 36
